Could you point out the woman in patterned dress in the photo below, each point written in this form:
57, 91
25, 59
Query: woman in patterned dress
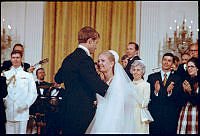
188, 118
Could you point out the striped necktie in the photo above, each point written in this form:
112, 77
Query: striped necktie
165, 79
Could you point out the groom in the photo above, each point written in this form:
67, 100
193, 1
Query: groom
81, 82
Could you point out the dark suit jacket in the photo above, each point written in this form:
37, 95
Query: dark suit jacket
193, 98
182, 72
7, 64
60, 97
81, 82
3, 94
46, 90
40, 104
128, 66
163, 108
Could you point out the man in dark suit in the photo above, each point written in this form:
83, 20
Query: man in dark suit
53, 114
165, 98
40, 105
182, 68
81, 82
3, 94
7, 64
132, 51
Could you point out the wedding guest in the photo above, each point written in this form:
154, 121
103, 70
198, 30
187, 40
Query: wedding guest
53, 114
132, 51
182, 68
124, 60
176, 63
165, 98
21, 95
7, 64
193, 50
143, 91
184, 58
40, 105
188, 118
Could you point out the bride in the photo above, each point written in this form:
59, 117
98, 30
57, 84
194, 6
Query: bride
115, 110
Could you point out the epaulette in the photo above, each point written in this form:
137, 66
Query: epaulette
2, 73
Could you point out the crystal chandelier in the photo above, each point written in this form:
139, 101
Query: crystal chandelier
181, 40
5, 39
178, 44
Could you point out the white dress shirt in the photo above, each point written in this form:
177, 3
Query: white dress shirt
163, 76
85, 49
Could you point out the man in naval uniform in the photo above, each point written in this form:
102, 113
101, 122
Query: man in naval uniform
21, 95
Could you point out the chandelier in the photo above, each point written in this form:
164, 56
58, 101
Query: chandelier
6, 40
177, 44
181, 40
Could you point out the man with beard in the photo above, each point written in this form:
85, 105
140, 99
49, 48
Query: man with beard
39, 108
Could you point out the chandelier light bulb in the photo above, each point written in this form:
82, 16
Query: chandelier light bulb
3, 20
174, 21
197, 29
9, 27
185, 20
170, 27
177, 27
191, 21
189, 27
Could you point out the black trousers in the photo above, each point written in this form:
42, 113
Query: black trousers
53, 122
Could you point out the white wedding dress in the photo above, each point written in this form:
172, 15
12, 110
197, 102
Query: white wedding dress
114, 114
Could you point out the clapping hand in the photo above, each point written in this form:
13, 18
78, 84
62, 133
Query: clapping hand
186, 86
170, 87
157, 86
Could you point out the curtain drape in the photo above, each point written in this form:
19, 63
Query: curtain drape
114, 20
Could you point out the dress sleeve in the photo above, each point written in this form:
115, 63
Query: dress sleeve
146, 94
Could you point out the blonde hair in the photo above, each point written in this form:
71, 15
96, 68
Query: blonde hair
110, 57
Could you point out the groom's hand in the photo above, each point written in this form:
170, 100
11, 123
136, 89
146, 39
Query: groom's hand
95, 102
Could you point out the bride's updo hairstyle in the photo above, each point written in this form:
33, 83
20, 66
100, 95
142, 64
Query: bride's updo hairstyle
110, 57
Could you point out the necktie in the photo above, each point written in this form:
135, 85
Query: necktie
165, 79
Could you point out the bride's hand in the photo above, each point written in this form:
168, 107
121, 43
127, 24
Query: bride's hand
101, 76
95, 102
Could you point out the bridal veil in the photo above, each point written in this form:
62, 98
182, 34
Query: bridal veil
114, 114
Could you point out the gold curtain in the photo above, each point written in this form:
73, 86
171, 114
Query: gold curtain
114, 20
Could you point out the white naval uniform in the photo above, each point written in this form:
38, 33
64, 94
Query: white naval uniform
22, 94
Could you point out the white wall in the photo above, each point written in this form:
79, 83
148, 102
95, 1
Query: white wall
154, 19
26, 20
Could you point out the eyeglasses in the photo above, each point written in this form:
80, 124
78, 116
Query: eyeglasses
193, 50
191, 66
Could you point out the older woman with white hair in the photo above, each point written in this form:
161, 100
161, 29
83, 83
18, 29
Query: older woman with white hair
143, 96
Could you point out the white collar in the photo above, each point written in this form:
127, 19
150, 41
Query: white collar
133, 57
162, 74
85, 49
16, 69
